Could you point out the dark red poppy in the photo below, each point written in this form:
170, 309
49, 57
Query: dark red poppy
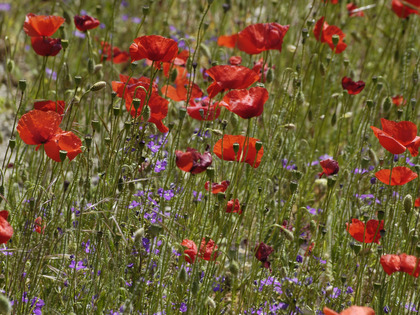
401, 175
46, 46
233, 206
154, 47
324, 33
398, 100
246, 104
190, 253
403, 11
224, 149
352, 310
371, 234
85, 22
38, 225
230, 77
262, 251
403, 262
192, 161
65, 141
115, 54
41, 25
351, 86
351, 7
216, 187
235, 60
45, 106
329, 167
396, 137
208, 250
6, 230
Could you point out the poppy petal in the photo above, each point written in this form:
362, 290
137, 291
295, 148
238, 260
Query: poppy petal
57, 106
37, 127
390, 263
403, 131
42, 25
153, 47
401, 175
6, 230
46, 46
352, 87
246, 104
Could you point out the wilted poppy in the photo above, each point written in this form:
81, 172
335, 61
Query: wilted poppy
233, 206
401, 175
329, 167
262, 251
403, 11
230, 77
115, 54
396, 137
235, 60
324, 33
190, 253
216, 187
351, 86
403, 262
208, 250
154, 47
41, 25
246, 104
351, 7
46, 46
398, 100
247, 152
6, 230
203, 110
192, 161
45, 106
85, 22
371, 234
353, 310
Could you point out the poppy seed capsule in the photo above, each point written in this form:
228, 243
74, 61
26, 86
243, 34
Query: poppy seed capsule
5, 306
258, 145
22, 85
88, 141
236, 147
182, 112
145, 10
146, 112
96, 125
77, 80
12, 144
408, 203
335, 39
62, 154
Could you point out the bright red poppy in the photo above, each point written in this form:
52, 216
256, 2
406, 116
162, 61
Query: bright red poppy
65, 141
46, 46
401, 175
191, 252
154, 47
178, 64
233, 206
329, 167
417, 203
216, 187
403, 262
352, 87
41, 25
235, 60
45, 106
192, 161
179, 92
398, 100
208, 250
403, 11
115, 54
396, 137
38, 225
230, 77
6, 230
324, 33
224, 149
365, 234
246, 103
350, 9
85, 22
203, 110
352, 310
262, 251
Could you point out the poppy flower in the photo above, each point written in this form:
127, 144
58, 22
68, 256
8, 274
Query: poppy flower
65, 141
115, 54
332, 1
233, 206
398, 100
177, 64
324, 33
57, 106
247, 151
403, 262
365, 234
235, 60
396, 137
351, 7
203, 110
192, 161
41, 25
401, 175
246, 104
230, 77
403, 11
6, 230
208, 250
258, 68
262, 251
352, 310
46, 46
191, 252
38, 225
352, 87
417, 203
329, 167
85, 22
154, 47
216, 187
179, 92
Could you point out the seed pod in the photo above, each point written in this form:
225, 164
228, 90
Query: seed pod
182, 275
5, 306
138, 235
234, 267
98, 86
408, 203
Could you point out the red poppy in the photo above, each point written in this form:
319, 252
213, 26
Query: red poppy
324, 33
41, 25
235, 60
403, 262
115, 54
262, 251
46, 46
65, 141
38, 225
247, 152
256, 38
180, 91
191, 252
258, 69
353, 310
401, 175
216, 187
208, 250
350, 9
203, 110
332, 1
398, 100
396, 137
6, 230
417, 203
365, 235
233, 206
329, 167
57, 106
246, 104
192, 161
177, 64
351, 86
154, 47
230, 77
85, 22
403, 11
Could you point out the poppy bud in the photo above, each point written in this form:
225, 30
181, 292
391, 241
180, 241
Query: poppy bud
134, 65
373, 156
234, 120
287, 233
387, 104
88, 141
96, 125
10, 65
236, 148
182, 275
346, 62
127, 125
400, 112
98, 86
91, 65
195, 287
22, 85
379, 86
138, 235
12, 144
146, 112
270, 75
5, 306
145, 10
209, 301
293, 186
182, 112
333, 119
408, 203
234, 267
